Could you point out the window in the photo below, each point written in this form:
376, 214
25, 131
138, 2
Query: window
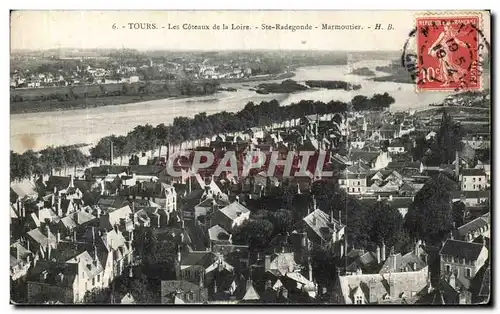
98, 278
479, 179
479, 186
448, 268
467, 272
465, 185
93, 281
359, 182
359, 299
465, 179
473, 179
359, 190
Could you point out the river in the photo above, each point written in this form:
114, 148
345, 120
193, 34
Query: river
39, 130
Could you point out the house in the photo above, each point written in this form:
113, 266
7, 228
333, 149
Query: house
478, 227
396, 147
486, 166
20, 260
321, 228
462, 258
471, 198
23, 191
121, 218
230, 216
386, 288
196, 266
410, 262
66, 282
182, 292
473, 179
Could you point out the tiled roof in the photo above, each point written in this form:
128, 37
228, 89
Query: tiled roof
461, 249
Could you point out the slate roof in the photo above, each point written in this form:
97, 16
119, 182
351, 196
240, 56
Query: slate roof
251, 293
58, 182
317, 220
215, 231
473, 225
233, 209
473, 172
202, 258
24, 189
56, 274
399, 263
403, 282
461, 249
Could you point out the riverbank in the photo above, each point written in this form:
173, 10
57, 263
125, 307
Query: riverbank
68, 98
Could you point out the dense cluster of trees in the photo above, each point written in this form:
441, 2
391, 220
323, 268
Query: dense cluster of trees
431, 215
441, 149
67, 93
144, 138
30, 164
333, 85
377, 102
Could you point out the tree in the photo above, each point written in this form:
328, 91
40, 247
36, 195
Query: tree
255, 233
430, 216
386, 223
458, 209
448, 139
97, 296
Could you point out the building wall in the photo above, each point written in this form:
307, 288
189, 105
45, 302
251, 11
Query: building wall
40, 292
473, 183
450, 264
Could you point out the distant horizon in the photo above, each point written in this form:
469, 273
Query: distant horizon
202, 50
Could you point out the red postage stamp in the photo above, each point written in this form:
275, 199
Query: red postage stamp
447, 53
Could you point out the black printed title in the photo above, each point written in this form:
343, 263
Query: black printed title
244, 27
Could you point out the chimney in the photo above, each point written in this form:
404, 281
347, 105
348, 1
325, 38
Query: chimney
417, 248
71, 181
331, 216
392, 287
382, 252
284, 293
179, 254
457, 164
342, 248
310, 269
340, 216
58, 236
267, 262
451, 281
59, 209
74, 235
49, 251
372, 286
378, 254
201, 279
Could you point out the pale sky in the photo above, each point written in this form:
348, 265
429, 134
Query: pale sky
93, 29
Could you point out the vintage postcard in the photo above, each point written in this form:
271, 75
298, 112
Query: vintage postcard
250, 157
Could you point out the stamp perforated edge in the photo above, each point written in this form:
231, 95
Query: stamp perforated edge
451, 14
